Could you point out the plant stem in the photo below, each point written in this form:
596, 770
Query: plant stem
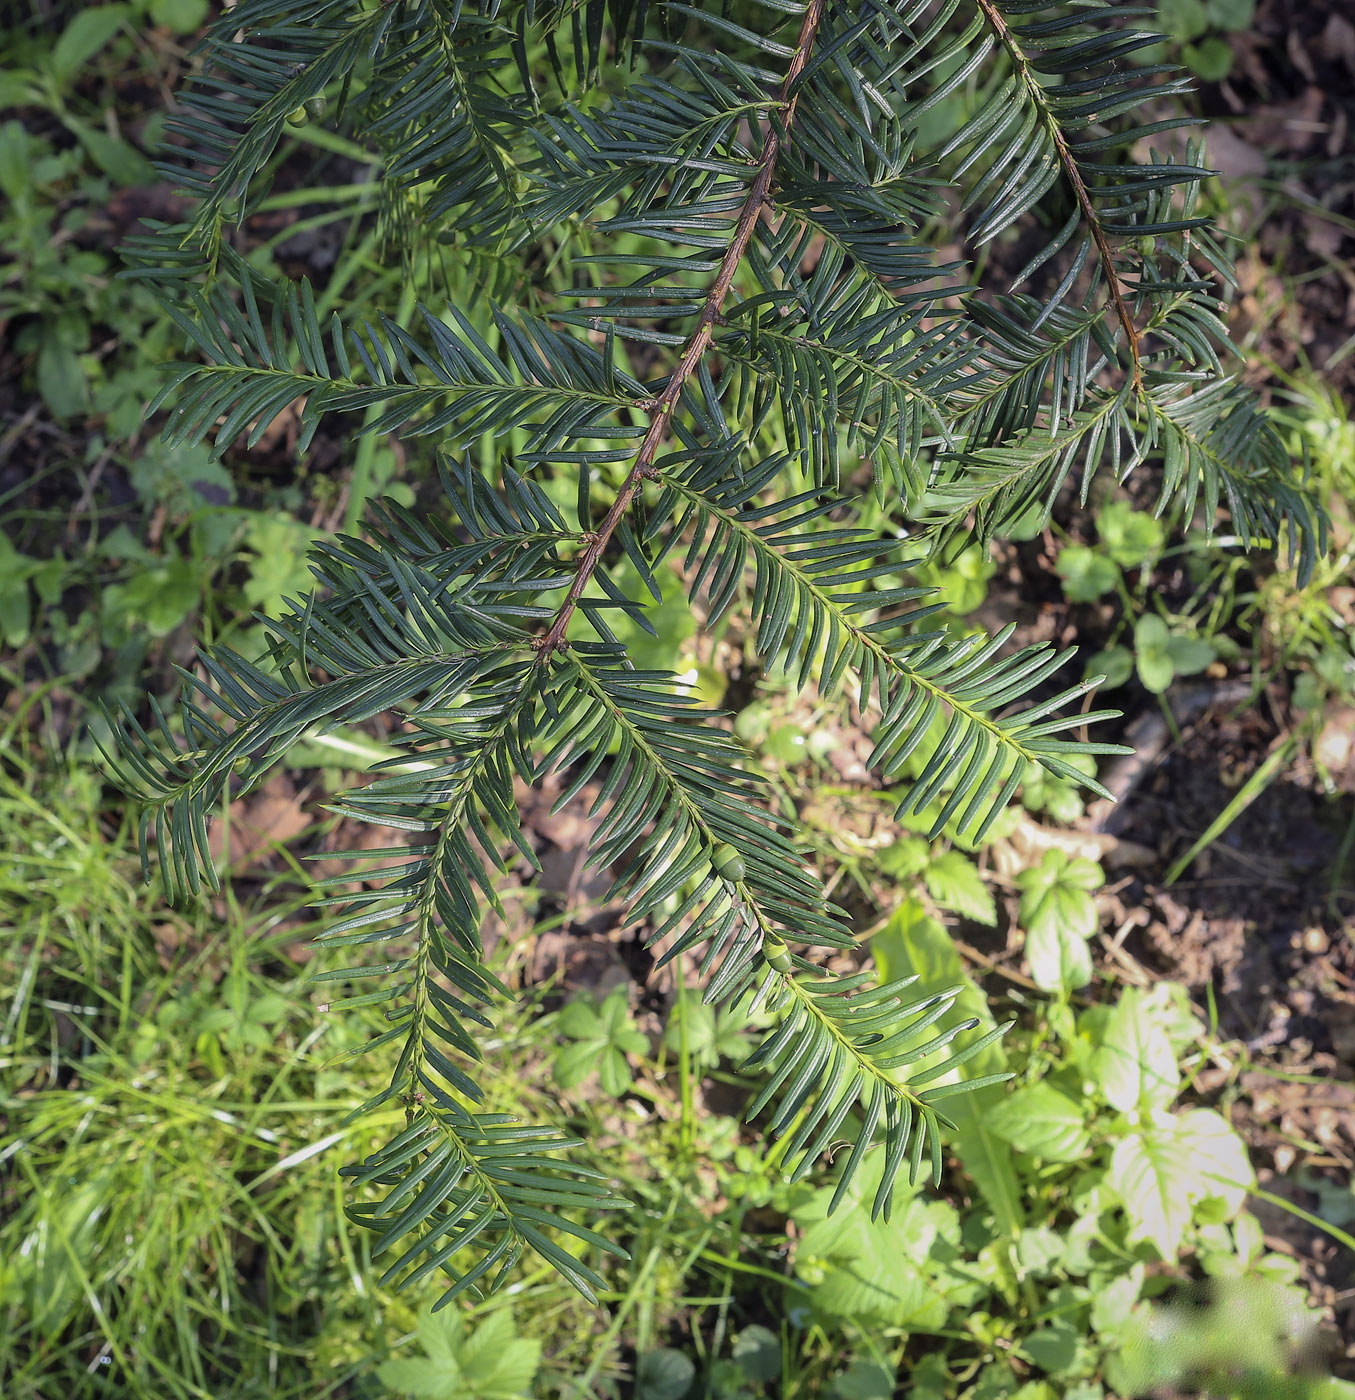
697, 343
1068, 163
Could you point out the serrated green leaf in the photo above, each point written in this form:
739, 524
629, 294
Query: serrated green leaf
490, 1363
580, 1019
496, 1362
604, 1035
954, 882
1059, 916
574, 1063
906, 857
613, 1072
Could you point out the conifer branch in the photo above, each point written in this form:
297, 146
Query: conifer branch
455, 619
1068, 163
700, 339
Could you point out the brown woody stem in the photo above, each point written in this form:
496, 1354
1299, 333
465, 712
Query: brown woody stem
1067, 162
664, 405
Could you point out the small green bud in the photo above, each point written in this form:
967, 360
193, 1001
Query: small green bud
776, 953
728, 863
316, 107
298, 116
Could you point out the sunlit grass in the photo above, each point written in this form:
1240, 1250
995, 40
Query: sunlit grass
173, 1220
173, 1223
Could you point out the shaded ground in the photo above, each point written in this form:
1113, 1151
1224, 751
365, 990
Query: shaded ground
1289, 105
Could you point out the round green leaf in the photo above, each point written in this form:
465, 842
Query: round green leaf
758, 1353
864, 1380
1183, 19
1132, 538
1087, 574
1116, 664
181, 16
1232, 15
1189, 655
664, 1374
1151, 655
1211, 59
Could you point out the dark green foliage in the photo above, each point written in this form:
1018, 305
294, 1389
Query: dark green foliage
761, 320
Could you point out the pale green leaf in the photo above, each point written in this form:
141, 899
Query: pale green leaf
1135, 1066
1189, 655
1114, 1299
1042, 1121
1219, 1159
496, 1362
1151, 655
1151, 1177
1087, 574
1059, 916
1132, 538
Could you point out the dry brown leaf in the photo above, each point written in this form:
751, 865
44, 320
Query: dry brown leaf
271, 816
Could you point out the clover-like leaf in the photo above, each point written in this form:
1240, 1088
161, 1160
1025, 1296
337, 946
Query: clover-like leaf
1161, 655
712, 1034
490, 1363
1132, 538
1041, 791
1087, 573
603, 1036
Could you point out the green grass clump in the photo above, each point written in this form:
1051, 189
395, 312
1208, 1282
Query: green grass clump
172, 1220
